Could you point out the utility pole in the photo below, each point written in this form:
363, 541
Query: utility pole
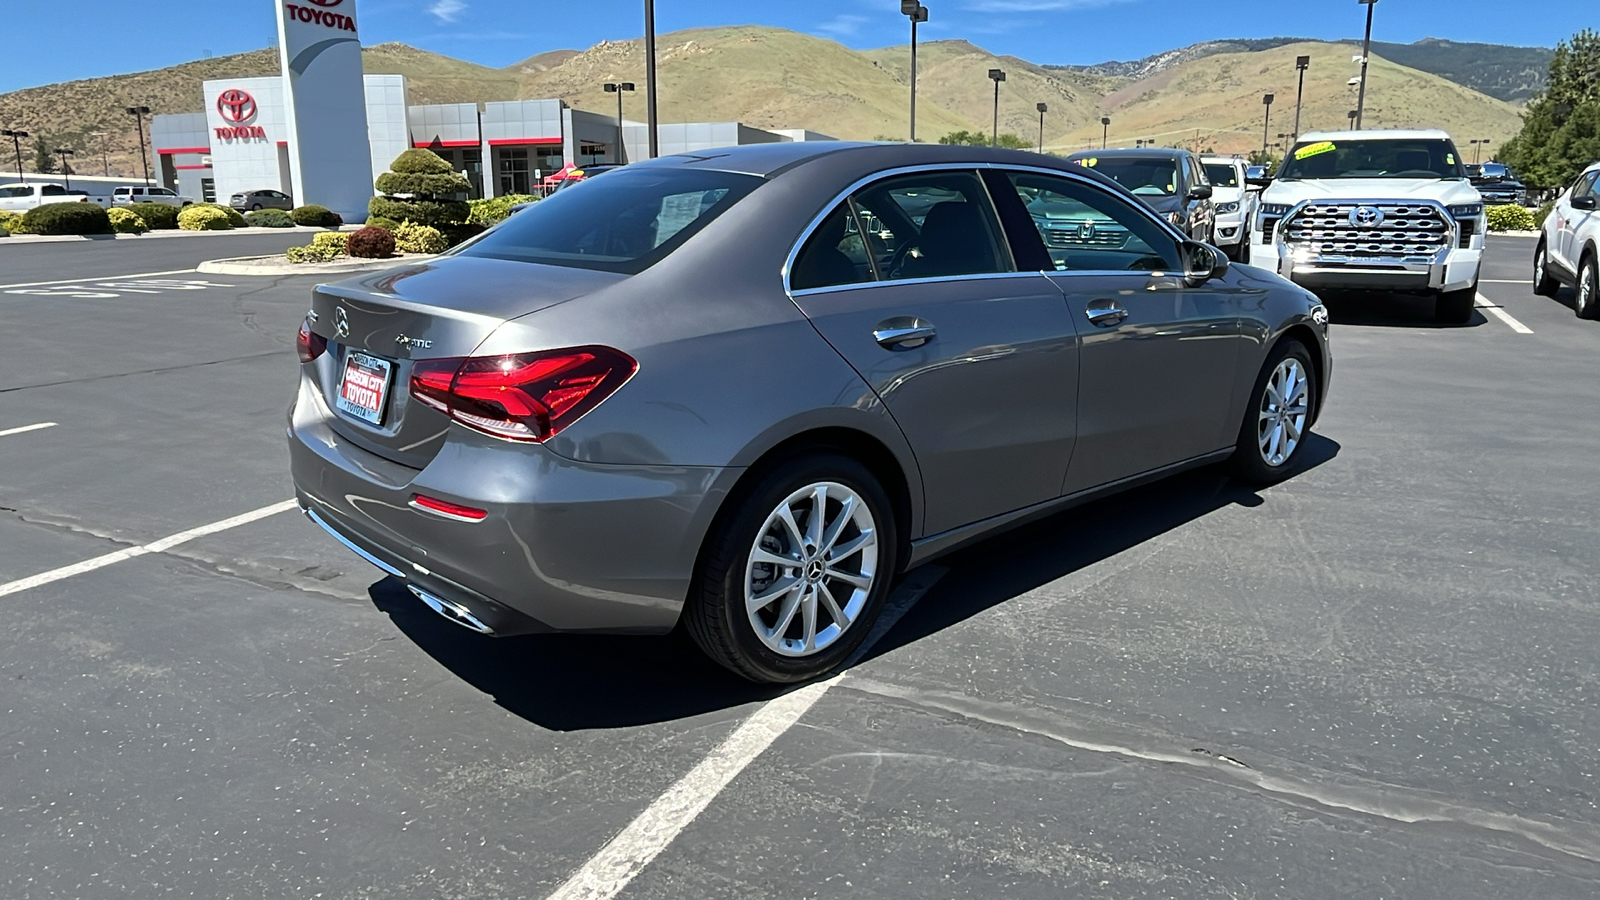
1302, 63
66, 170
650, 76
997, 76
916, 12
1366, 53
619, 89
1043, 108
138, 113
105, 158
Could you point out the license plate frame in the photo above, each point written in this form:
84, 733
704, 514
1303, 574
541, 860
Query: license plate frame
375, 377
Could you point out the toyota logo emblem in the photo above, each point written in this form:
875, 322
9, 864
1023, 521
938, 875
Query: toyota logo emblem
327, 3
1366, 217
236, 106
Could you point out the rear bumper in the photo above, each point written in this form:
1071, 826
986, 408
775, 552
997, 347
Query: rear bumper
566, 546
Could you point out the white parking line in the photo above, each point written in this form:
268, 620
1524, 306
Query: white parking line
1502, 315
166, 543
1506, 280
94, 278
27, 428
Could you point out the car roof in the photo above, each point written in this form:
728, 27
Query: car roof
1133, 153
1390, 134
768, 160
1223, 160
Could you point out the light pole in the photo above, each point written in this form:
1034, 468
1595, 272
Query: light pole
1105, 130
66, 170
1366, 51
1477, 147
16, 144
1042, 108
1302, 63
138, 113
997, 76
650, 76
1351, 115
1266, 100
917, 13
619, 89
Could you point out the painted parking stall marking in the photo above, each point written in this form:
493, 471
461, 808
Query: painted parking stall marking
1494, 309
7, 432
107, 290
24, 284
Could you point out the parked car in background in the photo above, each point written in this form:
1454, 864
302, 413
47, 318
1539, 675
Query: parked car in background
1235, 204
1498, 184
264, 198
1569, 245
123, 196
1171, 181
747, 389
20, 197
1387, 212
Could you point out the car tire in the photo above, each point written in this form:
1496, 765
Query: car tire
1273, 435
1544, 284
255, 207
1455, 307
1587, 304
724, 614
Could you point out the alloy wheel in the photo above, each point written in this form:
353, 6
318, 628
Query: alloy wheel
811, 569
1283, 412
1586, 290
1538, 265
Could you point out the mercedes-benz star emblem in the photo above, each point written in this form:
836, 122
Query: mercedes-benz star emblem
1366, 217
341, 323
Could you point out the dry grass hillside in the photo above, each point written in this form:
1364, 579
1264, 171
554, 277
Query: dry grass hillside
1216, 101
766, 77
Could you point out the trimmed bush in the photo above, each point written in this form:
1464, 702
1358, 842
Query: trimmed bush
447, 185
437, 213
370, 243
1509, 218
268, 218
460, 234
422, 188
200, 217
313, 253
126, 221
9, 222
158, 216
413, 238
337, 240
388, 225
495, 210
66, 218
420, 161
315, 216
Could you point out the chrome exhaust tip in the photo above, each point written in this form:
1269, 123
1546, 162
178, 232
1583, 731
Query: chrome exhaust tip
451, 610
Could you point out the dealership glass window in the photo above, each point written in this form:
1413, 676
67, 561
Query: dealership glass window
514, 171
208, 190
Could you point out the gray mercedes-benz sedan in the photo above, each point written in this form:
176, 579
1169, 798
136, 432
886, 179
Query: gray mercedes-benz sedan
745, 389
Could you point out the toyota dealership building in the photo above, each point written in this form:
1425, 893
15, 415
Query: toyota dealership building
240, 141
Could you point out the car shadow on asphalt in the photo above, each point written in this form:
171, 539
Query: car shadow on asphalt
581, 682
1391, 311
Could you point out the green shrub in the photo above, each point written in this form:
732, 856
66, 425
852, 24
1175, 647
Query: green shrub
268, 218
66, 218
422, 188
126, 221
411, 237
495, 210
315, 216
448, 185
338, 240
1509, 218
158, 216
420, 161
314, 253
1542, 214
460, 234
370, 243
388, 225
235, 218
203, 217
437, 213
9, 222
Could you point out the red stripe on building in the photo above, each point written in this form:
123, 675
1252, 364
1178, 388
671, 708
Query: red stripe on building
170, 150
191, 167
501, 142
446, 143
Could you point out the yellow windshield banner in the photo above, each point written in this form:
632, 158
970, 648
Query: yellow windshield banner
1311, 150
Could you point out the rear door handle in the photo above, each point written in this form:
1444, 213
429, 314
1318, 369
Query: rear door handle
1105, 312
903, 333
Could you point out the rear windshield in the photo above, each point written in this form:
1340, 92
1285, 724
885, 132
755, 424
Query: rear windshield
1389, 158
1222, 175
1147, 177
624, 222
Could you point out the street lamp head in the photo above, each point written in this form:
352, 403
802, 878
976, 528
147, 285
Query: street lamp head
138, 110
1351, 115
997, 75
1043, 107
610, 88
14, 134
1367, 2
627, 86
1268, 98
66, 151
910, 7
1105, 120
1302, 62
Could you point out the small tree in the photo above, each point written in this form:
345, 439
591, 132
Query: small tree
1268, 159
421, 187
980, 139
44, 161
1560, 133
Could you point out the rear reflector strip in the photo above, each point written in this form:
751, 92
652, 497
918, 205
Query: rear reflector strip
447, 509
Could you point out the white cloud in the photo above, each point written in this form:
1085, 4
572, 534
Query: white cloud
447, 10
843, 26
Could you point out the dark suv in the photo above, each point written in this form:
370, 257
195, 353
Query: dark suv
1172, 182
1498, 184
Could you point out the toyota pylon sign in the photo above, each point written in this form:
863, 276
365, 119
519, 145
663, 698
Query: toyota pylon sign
325, 105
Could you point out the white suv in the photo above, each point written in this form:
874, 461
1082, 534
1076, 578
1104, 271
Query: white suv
1569, 247
1234, 203
1386, 211
124, 196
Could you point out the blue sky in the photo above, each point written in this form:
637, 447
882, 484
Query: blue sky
132, 35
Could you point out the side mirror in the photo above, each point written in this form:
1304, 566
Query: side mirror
1200, 192
1261, 181
1584, 202
1202, 262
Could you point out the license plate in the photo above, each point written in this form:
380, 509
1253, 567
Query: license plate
364, 387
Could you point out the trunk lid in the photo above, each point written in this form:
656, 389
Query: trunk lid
378, 325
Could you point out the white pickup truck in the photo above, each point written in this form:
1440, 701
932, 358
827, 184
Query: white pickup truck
1376, 211
20, 197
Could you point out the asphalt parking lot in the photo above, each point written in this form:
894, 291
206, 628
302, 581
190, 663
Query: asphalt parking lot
1375, 680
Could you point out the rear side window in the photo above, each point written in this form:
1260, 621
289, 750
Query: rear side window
1222, 175
625, 222
53, 190
835, 254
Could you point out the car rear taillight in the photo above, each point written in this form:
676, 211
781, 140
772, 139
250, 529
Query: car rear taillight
308, 343
525, 396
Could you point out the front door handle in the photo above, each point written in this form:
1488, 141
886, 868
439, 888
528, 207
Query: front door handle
1105, 313
903, 333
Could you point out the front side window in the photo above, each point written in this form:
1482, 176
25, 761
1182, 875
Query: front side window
16, 192
1387, 158
1087, 229
931, 225
1584, 183
625, 222
1221, 175
162, 192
